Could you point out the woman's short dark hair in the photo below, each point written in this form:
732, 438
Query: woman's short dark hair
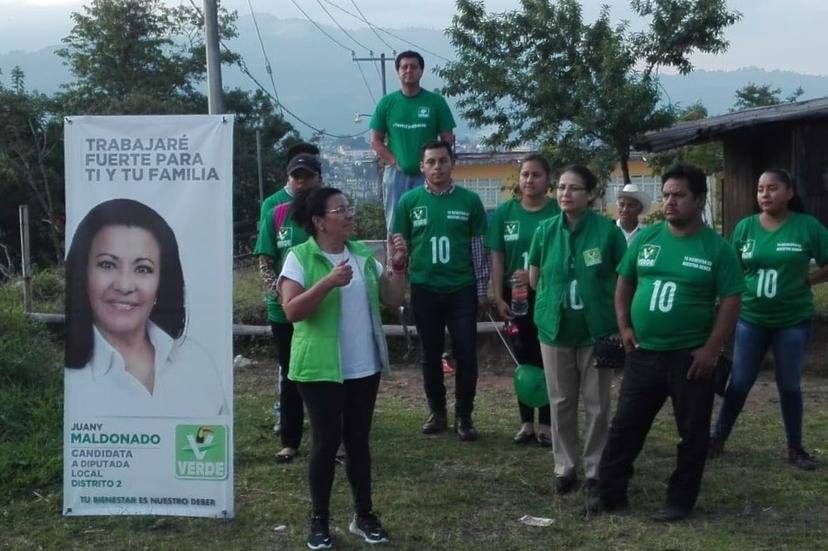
693, 175
537, 158
795, 202
309, 203
168, 312
589, 179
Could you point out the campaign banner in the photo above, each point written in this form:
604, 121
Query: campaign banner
148, 377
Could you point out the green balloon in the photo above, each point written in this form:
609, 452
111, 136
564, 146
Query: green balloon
530, 385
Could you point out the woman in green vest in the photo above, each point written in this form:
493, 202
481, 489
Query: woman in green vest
572, 265
330, 289
508, 239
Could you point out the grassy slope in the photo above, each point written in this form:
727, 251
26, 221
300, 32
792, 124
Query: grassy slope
437, 493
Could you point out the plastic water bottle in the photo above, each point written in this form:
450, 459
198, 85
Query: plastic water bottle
520, 299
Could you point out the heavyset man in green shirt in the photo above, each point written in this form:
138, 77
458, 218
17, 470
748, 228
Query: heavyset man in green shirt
402, 123
445, 226
665, 303
304, 171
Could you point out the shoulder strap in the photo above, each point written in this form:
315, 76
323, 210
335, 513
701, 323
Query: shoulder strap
279, 215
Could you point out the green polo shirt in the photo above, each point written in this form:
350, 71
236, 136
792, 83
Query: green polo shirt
276, 245
678, 279
510, 232
439, 230
409, 122
776, 265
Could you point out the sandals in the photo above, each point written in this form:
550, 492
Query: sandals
286, 455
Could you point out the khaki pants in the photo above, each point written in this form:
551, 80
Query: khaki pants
570, 372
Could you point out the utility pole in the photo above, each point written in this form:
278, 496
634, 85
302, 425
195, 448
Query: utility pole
382, 59
215, 102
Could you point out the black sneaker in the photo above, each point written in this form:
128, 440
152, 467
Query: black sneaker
715, 447
596, 506
801, 459
590, 487
464, 428
565, 484
319, 537
435, 424
671, 512
368, 527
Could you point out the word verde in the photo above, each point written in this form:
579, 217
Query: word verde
115, 438
201, 452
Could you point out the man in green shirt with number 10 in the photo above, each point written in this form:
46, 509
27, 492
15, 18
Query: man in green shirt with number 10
445, 226
665, 304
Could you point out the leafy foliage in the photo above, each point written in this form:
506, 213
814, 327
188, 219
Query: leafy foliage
761, 95
541, 74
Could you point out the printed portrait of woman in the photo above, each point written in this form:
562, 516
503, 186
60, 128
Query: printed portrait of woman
127, 352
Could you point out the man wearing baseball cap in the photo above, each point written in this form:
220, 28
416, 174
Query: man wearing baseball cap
632, 203
278, 233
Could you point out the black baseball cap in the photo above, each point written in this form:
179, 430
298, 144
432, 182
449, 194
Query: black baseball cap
305, 162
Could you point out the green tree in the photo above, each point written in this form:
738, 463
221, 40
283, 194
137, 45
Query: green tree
541, 74
137, 57
761, 95
30, 169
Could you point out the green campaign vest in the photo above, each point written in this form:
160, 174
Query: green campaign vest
314, 353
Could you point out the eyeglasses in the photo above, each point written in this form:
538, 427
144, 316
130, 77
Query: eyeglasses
343, 210
572, 189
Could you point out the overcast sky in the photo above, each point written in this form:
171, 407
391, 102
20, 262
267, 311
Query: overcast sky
773, 34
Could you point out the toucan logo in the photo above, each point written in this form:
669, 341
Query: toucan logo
201, 451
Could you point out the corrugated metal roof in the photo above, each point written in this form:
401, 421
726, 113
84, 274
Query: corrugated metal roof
706, 130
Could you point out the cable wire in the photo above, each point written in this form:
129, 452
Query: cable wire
341, 28
266, 60
371, 26
323, 31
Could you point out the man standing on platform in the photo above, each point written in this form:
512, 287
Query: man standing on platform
445, 226
402, 122
665, 302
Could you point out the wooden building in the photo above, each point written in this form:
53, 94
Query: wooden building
793, 136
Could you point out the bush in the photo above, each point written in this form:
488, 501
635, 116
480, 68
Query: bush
31, 400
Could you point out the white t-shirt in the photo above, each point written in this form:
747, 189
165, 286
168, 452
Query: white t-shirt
357, 350
187, 383
629, 235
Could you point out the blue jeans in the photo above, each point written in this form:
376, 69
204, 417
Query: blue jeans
789, 346
394, 184
433, 313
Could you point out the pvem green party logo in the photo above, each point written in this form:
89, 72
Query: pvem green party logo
423, 112
648, 254
511, 231
419, 216
201, 452
285, 238
746, 248
592, 257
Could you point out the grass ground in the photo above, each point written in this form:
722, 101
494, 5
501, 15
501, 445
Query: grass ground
439, 493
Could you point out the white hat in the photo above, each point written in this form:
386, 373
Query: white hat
632, 191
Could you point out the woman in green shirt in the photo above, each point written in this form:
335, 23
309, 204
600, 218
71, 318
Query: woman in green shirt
775, 248
572, 265
508, 239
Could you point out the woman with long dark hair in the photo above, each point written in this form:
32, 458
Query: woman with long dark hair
125, 320
508, 239
775, 247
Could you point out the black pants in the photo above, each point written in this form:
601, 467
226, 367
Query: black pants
433, 312
291, 410
526, 348
649, 378
340, 413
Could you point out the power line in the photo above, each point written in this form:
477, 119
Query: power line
267, 61
370, 93
323, 31
244, 69
389, 33
371, 26
341, 28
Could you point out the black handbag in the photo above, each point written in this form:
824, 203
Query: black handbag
609, 353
